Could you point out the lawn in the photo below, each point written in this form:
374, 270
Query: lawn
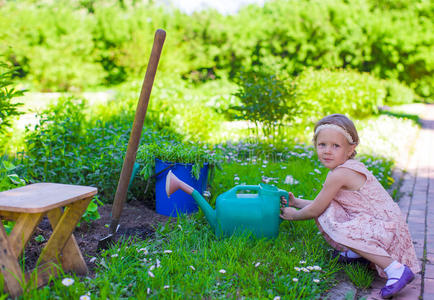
186, 260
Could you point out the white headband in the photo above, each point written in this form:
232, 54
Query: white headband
337, 128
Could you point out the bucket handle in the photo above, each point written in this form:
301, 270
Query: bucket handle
162, 171
156, 174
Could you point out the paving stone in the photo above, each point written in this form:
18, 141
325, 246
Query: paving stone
418, 236
417, 212
429, 271
412, 220
415, 230
430, 241
419, 252
418, 242
419, 206
418, 203
428, 286
430, 257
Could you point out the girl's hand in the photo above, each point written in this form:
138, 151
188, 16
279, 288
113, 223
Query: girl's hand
287, 213
291, 201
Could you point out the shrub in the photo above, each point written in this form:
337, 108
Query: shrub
66, 147
355, 94
61, 47
52, 46
266, 100
8, 109
398, 93
9, 179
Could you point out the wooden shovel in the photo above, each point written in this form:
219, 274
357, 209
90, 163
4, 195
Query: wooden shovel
133, 143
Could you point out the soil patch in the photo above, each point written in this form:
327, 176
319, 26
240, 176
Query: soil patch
136, 220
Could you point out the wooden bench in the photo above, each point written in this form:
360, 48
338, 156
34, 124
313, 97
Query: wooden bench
64, 206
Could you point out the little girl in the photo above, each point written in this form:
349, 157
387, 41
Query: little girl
353, 211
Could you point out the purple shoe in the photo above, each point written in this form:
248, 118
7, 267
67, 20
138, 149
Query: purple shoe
389, 291
349, 260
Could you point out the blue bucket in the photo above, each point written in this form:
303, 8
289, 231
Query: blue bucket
179, 202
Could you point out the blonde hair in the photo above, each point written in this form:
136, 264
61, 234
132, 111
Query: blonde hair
341, 121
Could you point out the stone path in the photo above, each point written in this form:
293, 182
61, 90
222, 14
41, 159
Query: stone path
417, 204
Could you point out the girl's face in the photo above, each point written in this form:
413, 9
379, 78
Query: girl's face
333, 148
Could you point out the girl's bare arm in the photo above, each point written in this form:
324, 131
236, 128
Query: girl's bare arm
313, 209
300, 203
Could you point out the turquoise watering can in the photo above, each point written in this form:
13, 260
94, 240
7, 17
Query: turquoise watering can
237, 213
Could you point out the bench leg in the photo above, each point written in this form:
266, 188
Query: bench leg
22, 231
62, 232
10, 269
72, 259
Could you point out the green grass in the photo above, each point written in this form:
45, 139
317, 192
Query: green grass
186, 261
360, 275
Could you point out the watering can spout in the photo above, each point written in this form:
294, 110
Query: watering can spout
173, 184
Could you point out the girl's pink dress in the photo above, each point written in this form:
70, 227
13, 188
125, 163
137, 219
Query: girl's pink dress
368, 220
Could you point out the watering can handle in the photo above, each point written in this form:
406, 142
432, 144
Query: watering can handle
245, 188
283, 193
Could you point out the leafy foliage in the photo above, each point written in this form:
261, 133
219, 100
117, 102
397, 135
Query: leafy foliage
183, 153
265, 100
66, 147
349, 92
8, 109
75, 48
9, 179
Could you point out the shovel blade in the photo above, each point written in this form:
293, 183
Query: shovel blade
106, 242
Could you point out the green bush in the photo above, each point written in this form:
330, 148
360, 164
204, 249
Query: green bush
398, 93
8, 109
52, 46
355, 94
63, 46
265, 100
191, 111
67, 147
8, 178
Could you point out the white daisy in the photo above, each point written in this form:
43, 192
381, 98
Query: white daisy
67, 281
144, 250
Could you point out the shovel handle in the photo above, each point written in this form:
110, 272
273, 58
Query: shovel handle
133, 143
